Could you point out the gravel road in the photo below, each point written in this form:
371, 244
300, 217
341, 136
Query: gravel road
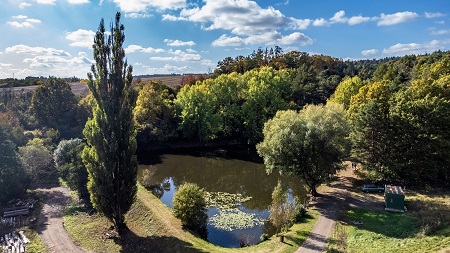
331, 203
51, 228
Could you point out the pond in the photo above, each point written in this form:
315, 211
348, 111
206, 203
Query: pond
238, 171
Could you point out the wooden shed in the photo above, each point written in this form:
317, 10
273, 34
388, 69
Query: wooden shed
394, 198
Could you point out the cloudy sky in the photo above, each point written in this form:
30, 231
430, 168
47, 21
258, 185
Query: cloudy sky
54, 37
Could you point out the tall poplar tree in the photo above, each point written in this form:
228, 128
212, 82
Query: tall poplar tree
110, 133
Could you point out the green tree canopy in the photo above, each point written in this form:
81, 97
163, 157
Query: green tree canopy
346, 89
265, 93
155, 114
310, 143
111, 143
195, 110
67, 158
422, 119
37, 160
13, 180
54, 106
189, 205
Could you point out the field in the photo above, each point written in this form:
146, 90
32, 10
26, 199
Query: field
81, 88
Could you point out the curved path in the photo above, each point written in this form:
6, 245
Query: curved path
51, 227
330, 205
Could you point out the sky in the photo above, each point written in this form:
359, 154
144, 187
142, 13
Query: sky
55, 37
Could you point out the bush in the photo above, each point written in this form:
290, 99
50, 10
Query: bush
299, 213
37, 160
189, 205
70, 166
264, 237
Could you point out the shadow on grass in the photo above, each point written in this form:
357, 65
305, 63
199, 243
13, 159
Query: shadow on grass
132, 243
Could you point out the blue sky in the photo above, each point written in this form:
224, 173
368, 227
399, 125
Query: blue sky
54, 37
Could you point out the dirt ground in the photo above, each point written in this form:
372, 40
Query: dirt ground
50, 225
337, 197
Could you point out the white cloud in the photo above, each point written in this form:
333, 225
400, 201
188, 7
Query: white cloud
34, 61
434, 15
179, 43
178, 56
369, 52
52, 61
138, 49
224, 41
24, 5
168, 69
46, 1
26, 23
190, 50
138, 15
396, 18
24, 49
440, 22
242, 17
78, 1
241, 48
168, 17
358, 20
400, 49
440, 32
339, 17
299, 24
143, 5
2, 65
293, 38
20, 24
20, 17
269, 38
206, 62
81, 38
321, 22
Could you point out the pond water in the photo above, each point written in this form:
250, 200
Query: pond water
237, 170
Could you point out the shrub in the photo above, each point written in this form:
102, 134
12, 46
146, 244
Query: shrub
37, 160
189, 205
264, 237
299, 213
70, 166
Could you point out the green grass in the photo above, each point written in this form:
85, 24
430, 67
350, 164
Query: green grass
424, 228
153, 228
36, 244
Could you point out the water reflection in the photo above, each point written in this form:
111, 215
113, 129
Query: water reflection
238, 170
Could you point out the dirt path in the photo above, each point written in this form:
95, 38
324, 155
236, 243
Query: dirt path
331, 203
51, 228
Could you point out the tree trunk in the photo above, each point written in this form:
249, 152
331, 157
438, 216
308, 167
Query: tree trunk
313, 190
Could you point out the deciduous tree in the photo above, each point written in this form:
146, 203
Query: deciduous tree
12, 175
309, 144
155, 114
54, 106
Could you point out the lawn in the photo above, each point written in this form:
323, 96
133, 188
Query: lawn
424, 228
153, 228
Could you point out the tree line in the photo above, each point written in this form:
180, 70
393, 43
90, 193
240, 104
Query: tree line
305, 113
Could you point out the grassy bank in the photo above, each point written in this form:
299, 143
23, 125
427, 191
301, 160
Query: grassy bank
152, 228
424, 228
